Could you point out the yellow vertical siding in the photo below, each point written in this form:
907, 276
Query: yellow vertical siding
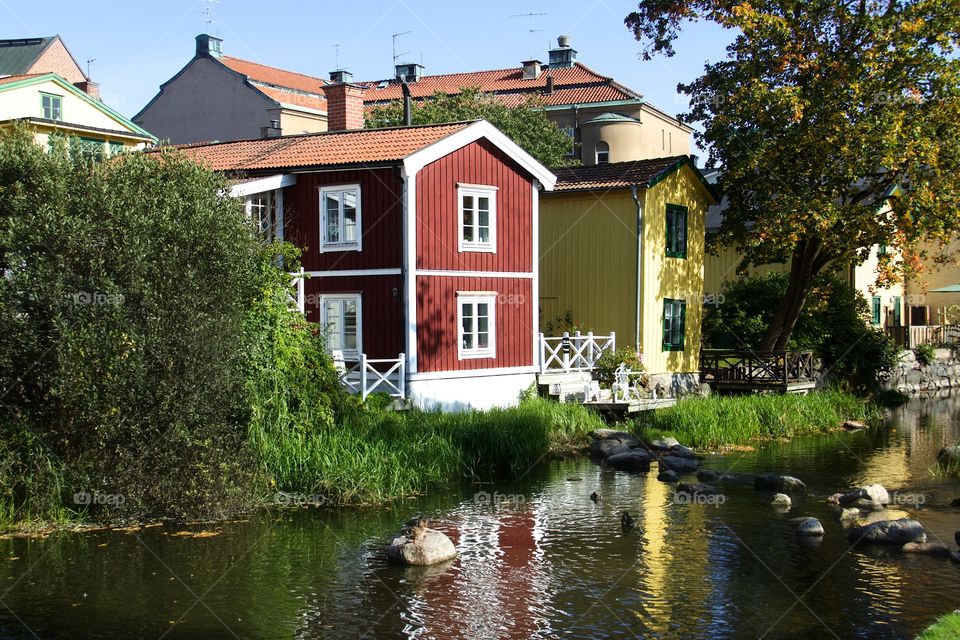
588, 259
676, 278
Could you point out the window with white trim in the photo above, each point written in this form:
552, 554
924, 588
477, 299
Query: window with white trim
476, 319
262, 211
602, 152
340, 218
341, 319
477, 215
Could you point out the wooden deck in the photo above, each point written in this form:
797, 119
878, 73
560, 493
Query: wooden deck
731, 371
631, 406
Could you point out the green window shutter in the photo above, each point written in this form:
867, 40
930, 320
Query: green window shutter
876, 309
676, 231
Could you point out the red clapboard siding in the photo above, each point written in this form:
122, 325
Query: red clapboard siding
437, 322
381, 312
381, 219
437, 233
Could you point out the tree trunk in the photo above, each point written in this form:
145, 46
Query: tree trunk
804, 266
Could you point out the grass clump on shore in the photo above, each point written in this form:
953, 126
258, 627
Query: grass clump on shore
947, 627
372, 456
737, 420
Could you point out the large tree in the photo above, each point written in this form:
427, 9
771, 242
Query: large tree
526, 124
821, 110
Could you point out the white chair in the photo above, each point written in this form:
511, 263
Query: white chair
591, 391
621, 383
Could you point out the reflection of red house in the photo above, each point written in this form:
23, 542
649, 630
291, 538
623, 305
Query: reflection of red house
418, 240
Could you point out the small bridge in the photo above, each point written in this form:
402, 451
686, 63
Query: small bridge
732, 371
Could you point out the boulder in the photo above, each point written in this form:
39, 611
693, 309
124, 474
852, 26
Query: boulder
955, 557
607, 447
888, 532
956, 537
427, 546
682, 466
708, 475
781, 500
634, 460
807, 526
955, 502
949, 455
779, 483
697, 488
664, 444
680, 451
612, 434
872, 496
668, 476
928, 549
848, 516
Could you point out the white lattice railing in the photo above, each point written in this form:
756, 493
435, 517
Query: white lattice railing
297, 298
364, 377
577, 352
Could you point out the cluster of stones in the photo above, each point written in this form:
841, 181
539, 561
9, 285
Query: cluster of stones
911, 377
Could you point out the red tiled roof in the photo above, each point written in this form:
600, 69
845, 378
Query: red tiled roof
294, 98
271, 75
321, 149
615, 174
495, 81
22, 76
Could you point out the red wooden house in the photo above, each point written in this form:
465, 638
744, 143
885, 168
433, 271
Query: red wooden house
419, 241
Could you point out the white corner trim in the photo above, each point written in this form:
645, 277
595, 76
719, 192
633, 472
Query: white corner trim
270, 183
535, 257
410, 266
449, 273
471, 373
481, 129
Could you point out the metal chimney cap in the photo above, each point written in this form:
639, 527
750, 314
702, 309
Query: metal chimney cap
563, 41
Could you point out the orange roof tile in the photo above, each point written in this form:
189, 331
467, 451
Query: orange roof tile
614, 174
272, 75
321, 149
22, 76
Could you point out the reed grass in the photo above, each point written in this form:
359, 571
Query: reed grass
738, 420
947, 627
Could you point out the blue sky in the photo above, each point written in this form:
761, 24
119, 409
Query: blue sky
138, 45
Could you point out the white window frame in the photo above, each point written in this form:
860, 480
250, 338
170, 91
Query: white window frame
477, 191
606, 153
271, 197
356, 245
349, 354
474, 298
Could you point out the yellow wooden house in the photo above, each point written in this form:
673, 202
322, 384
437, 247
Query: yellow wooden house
622, 249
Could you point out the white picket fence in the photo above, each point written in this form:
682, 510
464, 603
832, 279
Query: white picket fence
577, 352
364, 377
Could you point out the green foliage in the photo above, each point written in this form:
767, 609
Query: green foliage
610, 360
819, 110
526, 124
947, 627
739, 420
926, 354
124, 316
834, 324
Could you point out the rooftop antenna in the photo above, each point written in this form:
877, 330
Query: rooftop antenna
395, 54
207, 12
88, 66
530, 29
336, 55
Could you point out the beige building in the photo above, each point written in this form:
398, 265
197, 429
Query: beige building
927, 305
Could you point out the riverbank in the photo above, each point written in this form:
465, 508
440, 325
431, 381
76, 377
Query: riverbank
946, 627
724, 421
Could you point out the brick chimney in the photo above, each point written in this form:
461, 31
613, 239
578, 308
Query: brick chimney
89, 87
344, 106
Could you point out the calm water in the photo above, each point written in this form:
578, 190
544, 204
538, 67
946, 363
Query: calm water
548, 563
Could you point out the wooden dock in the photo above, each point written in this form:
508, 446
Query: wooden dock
732, 371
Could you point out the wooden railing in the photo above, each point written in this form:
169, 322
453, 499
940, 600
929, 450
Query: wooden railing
938, 334
577, 352
368, 375
297, 297
756, 368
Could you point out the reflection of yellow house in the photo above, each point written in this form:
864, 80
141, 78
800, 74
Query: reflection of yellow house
621, 249
48, 105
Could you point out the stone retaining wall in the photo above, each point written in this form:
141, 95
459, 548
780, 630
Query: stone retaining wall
913, 378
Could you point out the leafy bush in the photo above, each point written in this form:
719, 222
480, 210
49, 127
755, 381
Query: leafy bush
925, 353
607, 365
124, 334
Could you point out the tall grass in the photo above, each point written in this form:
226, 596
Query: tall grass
736, 420
947, 627
373, 456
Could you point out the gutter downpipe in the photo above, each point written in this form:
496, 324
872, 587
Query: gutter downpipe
636, 200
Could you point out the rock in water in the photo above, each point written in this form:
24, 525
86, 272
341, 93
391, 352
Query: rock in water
777, 482
664, 445
422, 547
949, 455
635, 460
707, 475
872, 496
781, 500
595, 496
680, 465
956, 537
928, 549
853, 425
807, 526
668, 476
955, 503
888, 532
680, 451
697, 489
626, 521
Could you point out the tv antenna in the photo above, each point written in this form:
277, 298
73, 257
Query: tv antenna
395, 54
207, 12
530, 29
88, 66
336, 55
